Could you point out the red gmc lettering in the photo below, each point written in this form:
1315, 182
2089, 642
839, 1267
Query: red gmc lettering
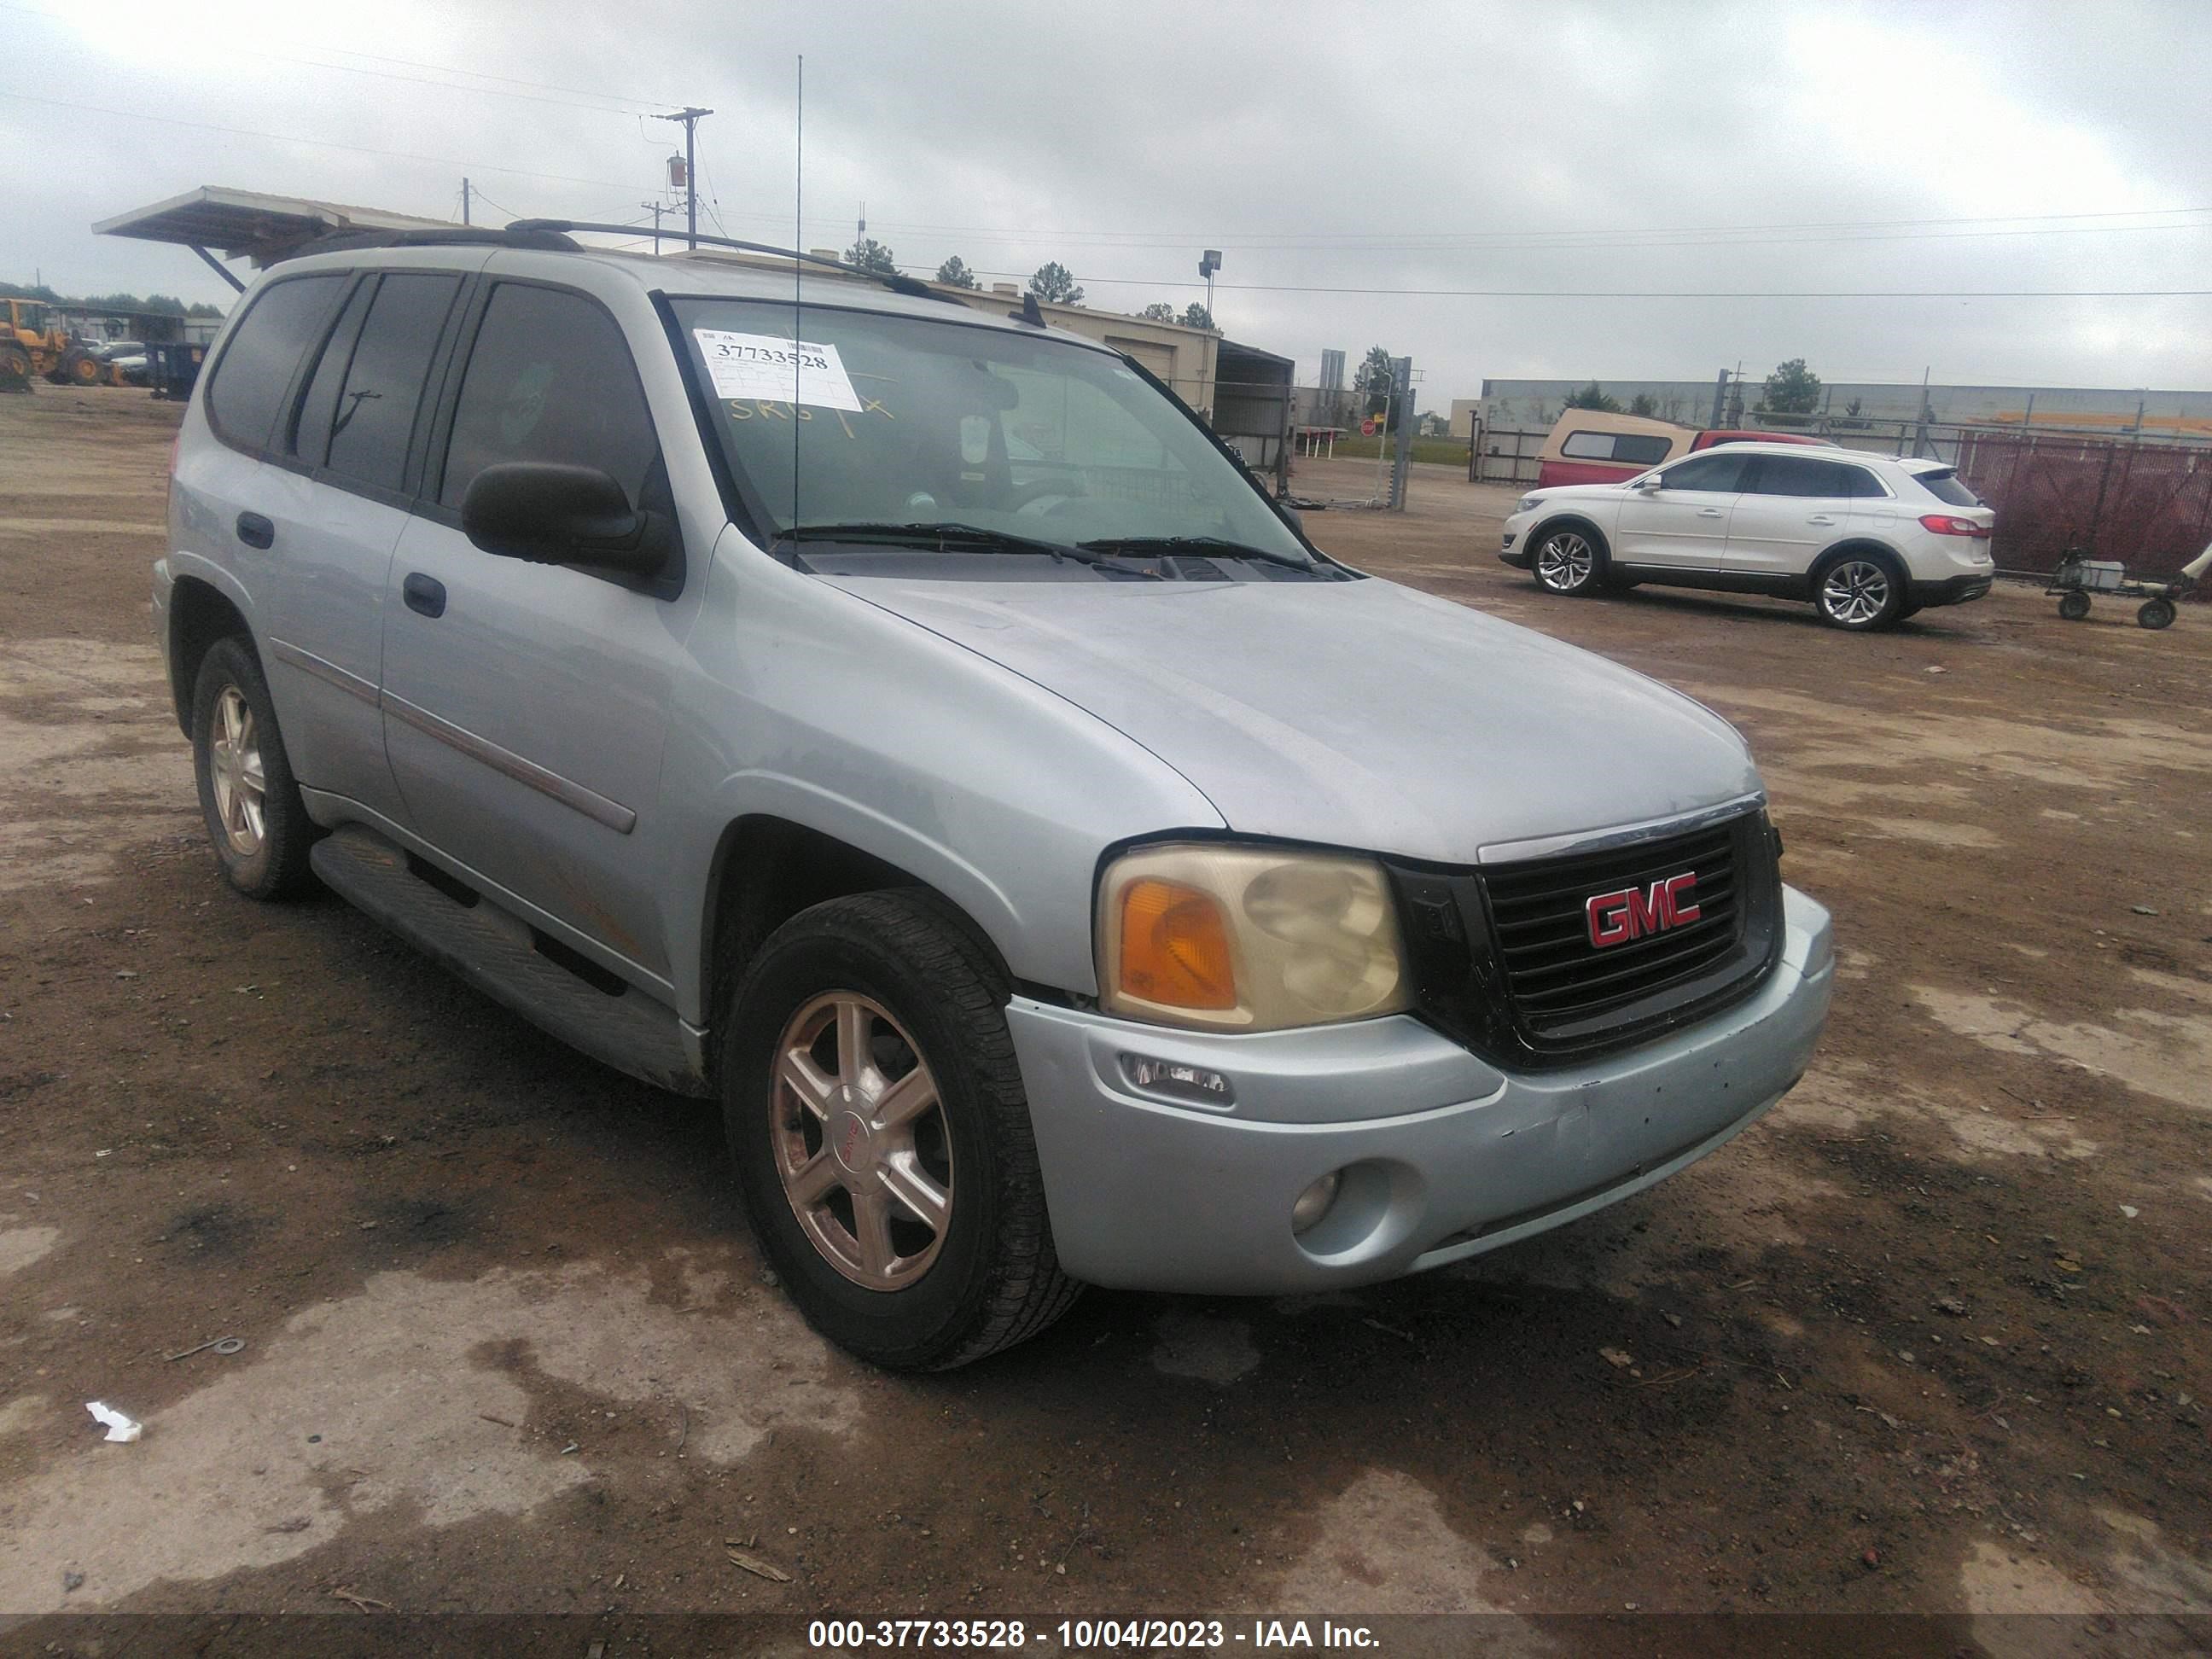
1630, 913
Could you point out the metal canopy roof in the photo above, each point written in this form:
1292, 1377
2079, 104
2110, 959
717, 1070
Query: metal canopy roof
250, 224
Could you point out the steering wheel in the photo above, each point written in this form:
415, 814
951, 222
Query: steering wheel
1039, 496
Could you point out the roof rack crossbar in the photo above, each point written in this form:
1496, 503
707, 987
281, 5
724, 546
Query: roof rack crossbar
897, 281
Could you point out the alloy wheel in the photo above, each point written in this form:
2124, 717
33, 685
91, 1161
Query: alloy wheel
1856, 593
1563, 562
234, 766
861, 1142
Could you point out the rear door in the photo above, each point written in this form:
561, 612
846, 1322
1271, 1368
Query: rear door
1683, 525
1792, 507
337, 499
526, 704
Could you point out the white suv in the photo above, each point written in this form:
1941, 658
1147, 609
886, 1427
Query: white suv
1868, 539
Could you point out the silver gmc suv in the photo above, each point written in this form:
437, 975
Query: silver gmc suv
912, 729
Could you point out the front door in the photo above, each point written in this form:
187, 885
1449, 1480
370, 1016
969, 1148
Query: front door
526, 704
1683, 523
1791, 509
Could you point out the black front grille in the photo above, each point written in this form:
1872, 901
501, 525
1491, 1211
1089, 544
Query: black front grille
1503, 956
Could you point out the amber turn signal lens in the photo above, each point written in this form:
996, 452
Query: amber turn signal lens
1175, 947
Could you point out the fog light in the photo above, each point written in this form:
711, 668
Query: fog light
1168, 1076
1313, 1203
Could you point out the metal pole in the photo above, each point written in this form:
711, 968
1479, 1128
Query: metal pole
465, 202
690, 116
1402, 384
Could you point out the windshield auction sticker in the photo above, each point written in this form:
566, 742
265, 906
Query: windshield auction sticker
765, 367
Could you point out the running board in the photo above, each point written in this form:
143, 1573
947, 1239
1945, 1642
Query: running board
500, 955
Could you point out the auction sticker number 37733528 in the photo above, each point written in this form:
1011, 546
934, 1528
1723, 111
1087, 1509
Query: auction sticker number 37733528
766, 368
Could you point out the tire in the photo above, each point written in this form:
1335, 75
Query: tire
86, 371
2155, 613
2073, 606
1569, 559
1907, 609
961, 1262
15, 363
1859, 593
261, 843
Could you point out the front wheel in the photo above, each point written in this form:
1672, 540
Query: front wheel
1858, 593
1568, 562
882, 1136
2073, 606
2155, 613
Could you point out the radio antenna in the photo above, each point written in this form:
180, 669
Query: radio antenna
798, 241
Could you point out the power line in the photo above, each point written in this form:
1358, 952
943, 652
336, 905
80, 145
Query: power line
319, 143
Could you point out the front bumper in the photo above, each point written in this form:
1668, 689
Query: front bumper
1509, 552
1445, 1155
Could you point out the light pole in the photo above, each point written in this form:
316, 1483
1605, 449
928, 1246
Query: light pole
1206, 267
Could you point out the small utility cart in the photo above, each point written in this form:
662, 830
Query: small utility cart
2078, 576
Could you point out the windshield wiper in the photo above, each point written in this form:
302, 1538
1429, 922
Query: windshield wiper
966, 536
1220, 545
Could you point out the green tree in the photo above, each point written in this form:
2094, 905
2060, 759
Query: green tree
1594, 396
202, 308
1054, 285
1158, 312
869, 254
954, 273
1195, 315
1643, 403
1792, 389
1378, 373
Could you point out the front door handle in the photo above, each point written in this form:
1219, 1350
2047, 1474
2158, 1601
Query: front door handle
1711, 513
255, 531
424, 594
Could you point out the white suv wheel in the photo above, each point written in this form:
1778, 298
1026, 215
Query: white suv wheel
1565, 561
1858, 593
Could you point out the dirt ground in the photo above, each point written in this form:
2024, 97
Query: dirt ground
1930, 1338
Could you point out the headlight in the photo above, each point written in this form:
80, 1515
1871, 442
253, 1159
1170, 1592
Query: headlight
1529, 504
1247, 939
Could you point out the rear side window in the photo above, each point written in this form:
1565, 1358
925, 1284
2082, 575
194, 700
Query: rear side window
550, 379
1786, 474
1631, 448
264, 351
1945, 487
374, 414
1717, 470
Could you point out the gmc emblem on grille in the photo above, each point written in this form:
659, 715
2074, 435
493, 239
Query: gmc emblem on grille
1630, 913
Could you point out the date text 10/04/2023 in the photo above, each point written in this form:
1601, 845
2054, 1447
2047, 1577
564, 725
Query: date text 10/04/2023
1081, 1635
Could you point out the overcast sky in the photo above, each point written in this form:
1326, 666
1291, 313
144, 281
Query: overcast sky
1649, 147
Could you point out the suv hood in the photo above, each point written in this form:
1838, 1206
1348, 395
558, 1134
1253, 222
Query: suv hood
1359, 714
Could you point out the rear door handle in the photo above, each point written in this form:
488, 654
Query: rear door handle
1820, 518
255, 531
1711, 513
424, 594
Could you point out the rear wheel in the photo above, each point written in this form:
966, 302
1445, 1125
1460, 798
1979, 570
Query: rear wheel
259, 825
882, 1136
15, 363
1859, 593
2155, 613
1568, 560
2073, 606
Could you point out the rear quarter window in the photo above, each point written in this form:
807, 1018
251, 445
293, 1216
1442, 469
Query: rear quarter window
256, 368
1945, 487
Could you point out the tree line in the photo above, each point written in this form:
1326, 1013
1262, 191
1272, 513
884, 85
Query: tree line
1052, 282
165, 304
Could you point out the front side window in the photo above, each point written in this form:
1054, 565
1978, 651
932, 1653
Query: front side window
1716, 471
862, 419
550, 378
265, 348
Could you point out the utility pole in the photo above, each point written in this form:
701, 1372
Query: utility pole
656, 210
465, 202
690, 116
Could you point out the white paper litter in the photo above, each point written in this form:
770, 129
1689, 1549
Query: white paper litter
119, 1427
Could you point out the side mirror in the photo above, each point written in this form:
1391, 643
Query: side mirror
1649, 482
549, 513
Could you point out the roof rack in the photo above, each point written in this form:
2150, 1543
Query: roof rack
896, 281
541, 237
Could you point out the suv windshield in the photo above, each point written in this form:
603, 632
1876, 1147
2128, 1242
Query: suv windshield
882, 423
